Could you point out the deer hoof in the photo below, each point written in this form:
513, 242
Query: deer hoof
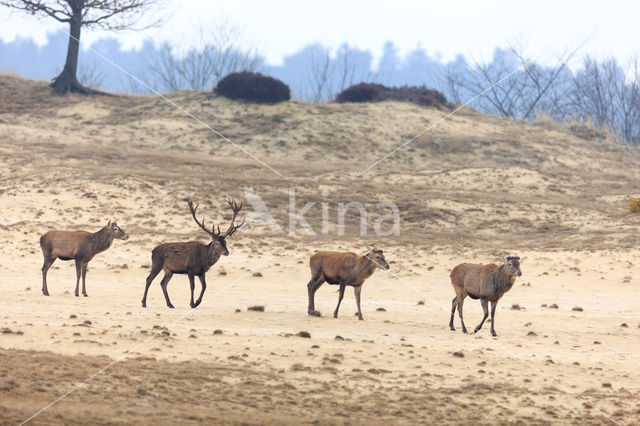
45, 293
464, 330
85, 295
170, 306
144, 305
314, 313
475, 331
494, 334
452, 328
77, 295
360, 319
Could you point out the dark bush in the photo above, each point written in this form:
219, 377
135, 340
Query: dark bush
417, 95
371, 92
363, 92
253, 87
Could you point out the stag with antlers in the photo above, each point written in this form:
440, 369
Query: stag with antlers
192, 258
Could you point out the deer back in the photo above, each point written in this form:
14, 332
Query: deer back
191, 257
471, 276
65, 244
341, 266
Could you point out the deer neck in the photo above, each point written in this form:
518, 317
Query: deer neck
367, 267
213, 254
502, 281
101, 240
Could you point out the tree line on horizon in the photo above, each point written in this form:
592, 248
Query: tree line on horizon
601, 91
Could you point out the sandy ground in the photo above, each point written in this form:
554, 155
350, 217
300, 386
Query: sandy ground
401, 364
569, 330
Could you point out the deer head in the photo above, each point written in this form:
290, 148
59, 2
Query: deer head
377, 256
116, 231
219, 243
512, 263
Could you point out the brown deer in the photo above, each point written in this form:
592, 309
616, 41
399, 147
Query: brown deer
80, 246
485, 282
192, 258
342, 268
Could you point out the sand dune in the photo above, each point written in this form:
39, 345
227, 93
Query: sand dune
473, 189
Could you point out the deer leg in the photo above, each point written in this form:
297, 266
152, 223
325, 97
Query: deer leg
203, 282
78, 274
163, 284
485, 309
357, 290
342, 287
154, 273
312, 287
493, 317
460, 303
45, 268
192, 284
84, 276
454, 304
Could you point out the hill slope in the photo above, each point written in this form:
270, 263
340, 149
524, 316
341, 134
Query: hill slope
472, 180
470, 189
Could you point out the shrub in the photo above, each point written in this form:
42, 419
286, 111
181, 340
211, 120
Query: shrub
418, 95
634, 204
372, 92
363, 92
253, 87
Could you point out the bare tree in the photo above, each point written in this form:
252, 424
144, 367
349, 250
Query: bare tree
90, 74
610, 97
350, 69
543, 88
165, 66
217, 52
329, 74
346, 66
513, 85
106, 14
320, 73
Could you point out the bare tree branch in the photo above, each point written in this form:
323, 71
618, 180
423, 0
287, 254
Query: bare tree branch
201, 66
107, 14
35, 7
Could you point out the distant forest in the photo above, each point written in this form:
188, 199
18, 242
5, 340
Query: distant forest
510, 84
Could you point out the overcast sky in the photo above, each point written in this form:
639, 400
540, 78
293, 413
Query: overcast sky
474, 28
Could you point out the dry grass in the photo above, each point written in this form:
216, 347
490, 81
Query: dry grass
528, 186
473, 187
143, 390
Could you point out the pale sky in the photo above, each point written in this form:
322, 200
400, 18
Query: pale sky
474, 28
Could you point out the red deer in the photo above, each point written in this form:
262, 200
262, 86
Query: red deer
80, 246
192, 258
485, 282
342, 268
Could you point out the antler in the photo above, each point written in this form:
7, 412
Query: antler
234, 206
193, 209
375, 248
